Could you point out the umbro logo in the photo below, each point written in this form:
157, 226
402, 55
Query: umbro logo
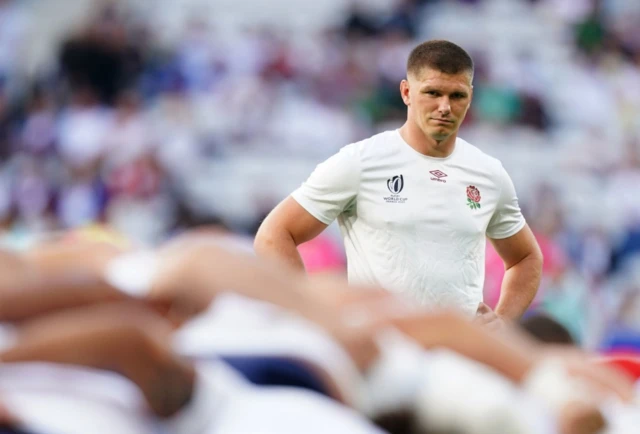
438, 175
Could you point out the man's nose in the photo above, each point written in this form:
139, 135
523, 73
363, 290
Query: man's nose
445, 107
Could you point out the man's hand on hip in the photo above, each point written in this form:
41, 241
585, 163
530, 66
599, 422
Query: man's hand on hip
485, 316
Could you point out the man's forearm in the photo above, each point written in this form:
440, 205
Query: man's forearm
121, 338
44, 297
519, 287
279, 246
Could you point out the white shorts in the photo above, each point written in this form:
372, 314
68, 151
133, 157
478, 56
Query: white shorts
225, 404
51, 398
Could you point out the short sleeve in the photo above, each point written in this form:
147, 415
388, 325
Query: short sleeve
332, 187
507, 219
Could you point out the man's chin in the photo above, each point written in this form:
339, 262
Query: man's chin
438, 132
440, 136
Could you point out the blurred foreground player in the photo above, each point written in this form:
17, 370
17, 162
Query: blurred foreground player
188, 274
203, 264
155, 390
160, 388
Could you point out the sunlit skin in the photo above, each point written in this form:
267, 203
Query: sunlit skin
437, 103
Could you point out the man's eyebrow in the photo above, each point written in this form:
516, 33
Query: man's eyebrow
439, 89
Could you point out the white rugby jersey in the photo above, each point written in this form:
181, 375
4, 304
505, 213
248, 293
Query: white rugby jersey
412, 223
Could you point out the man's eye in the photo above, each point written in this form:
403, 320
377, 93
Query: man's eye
432, 93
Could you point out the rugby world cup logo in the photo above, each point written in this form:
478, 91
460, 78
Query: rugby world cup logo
395, 184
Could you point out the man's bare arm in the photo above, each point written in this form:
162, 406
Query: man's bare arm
42, 298
122, 338
54, 277
286, 227
193, 272
523, 264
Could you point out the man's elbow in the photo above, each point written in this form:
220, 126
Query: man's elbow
263, 238
537, 257
269, 239
532, 256
534, 262
263, 242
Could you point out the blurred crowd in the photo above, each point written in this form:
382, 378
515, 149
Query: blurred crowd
152, 135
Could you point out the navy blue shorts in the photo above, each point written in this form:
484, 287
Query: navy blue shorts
277, 371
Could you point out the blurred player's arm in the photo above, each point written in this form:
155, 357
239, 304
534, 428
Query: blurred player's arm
284, 229
329, 191
64, 260
523, 269
186, 276
452, 332
514, 356
23, 303
51, 278
190, 274
121, 338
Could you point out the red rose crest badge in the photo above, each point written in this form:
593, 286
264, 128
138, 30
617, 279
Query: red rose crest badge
473, 197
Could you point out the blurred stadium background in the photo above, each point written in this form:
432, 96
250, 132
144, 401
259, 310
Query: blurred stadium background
152, 116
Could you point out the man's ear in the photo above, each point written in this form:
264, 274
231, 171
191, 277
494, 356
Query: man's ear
404, 92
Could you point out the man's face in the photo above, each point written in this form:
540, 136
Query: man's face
437, 102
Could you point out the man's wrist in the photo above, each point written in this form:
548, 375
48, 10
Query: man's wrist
508, 314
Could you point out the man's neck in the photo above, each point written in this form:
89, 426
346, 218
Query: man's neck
426, 145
